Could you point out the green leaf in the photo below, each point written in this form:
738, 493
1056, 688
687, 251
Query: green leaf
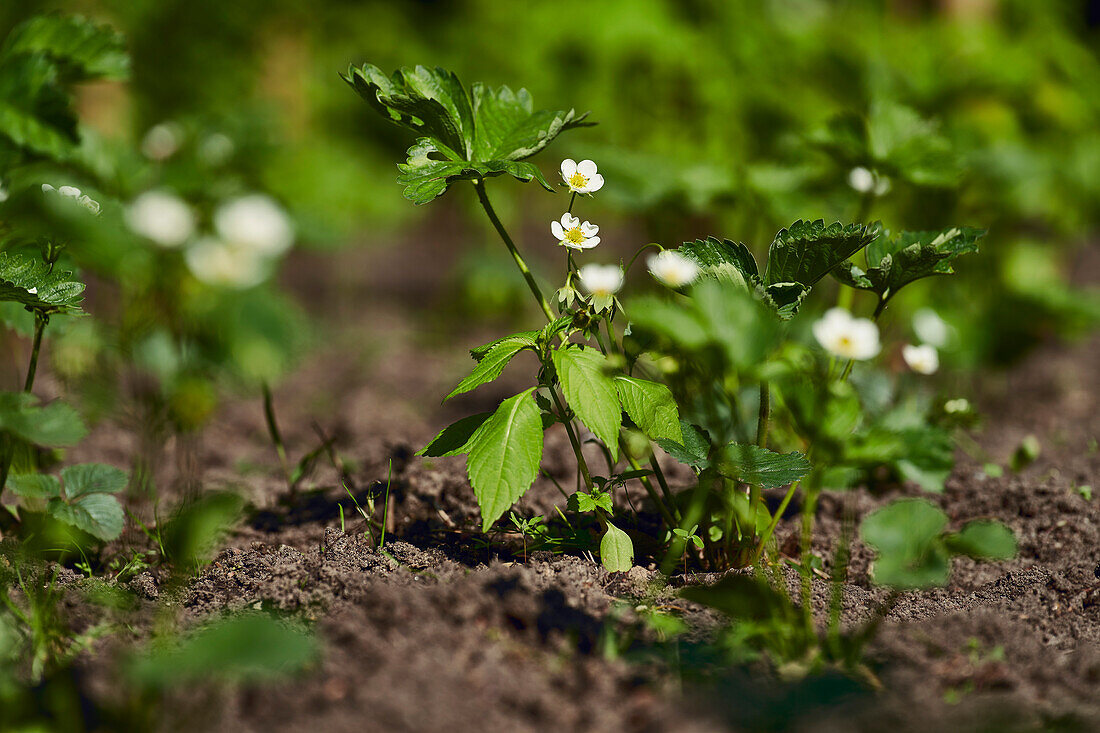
616, 550
651, 406
983, 540
723, 259
590, 392
896, 262
693, 450
759, 466
34, 486
906, 535
89, 478
489, 368
461, 135
743, 598
54, 292
454, 439
581, 501
806, 251
55, 425
84, 50
247, 649
524, 338
100, 515
504, 454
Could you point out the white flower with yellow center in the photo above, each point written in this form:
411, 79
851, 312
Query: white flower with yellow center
922, 359
847, 337
573, 234
256, 222
601, 282
672, 268
226, 264
581, 177
162, 217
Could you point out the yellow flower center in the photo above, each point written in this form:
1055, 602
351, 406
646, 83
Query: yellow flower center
575, 236
578, 181
845, 343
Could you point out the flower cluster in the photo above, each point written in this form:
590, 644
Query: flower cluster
72, 192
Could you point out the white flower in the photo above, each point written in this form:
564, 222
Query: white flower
922, 359
216, 148
162, 141
3, 193
47, 188
256, 222
930, 328
601, 280
70, 191
959, 404
225, 264
672, 268
867, 181
162, 217
861, 179
847, 337
581, 177
90, 204
573, 234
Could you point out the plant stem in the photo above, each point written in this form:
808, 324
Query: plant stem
840, 567
774, 523
479, 186
276, 436
7, 452
582, 465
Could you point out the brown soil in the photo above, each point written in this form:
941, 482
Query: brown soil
442, 632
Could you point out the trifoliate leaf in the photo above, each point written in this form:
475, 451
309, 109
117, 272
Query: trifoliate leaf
806, 251
31, 283
489, 367
91, 478
503, 456
100, 515
896, 262
590, 392
983, 540
651, 406
463, 135
34, 486
759, 466
454, 439
616, 550
906, 535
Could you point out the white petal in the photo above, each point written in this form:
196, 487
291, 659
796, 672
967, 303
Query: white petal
589, 230
590, 243
595, 183
568, 168
569, 221
557, 230
70, 191
586, 168
47, 188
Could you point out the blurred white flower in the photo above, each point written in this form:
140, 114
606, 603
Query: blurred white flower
957, 405
90, 204
216, 148
256, 222
864, 180
573, 234
162, 217
162, 141
581, 177
930, 328
672, 268
47, 188
922, 359
225, 264
601, 280
3, 193
847, 337
69, 191
72, 192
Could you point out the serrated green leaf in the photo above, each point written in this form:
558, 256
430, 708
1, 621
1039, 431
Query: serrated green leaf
34, 486
806, 251
55, 425
580, 501
983, 540
454, 439
651, 406
723, 259
525, 338
759, 466
616, 550
489, 368
53, 292
591, 393
906, 535
90, 478
100, 515
910, 256
463, 135
503, 456
694, 448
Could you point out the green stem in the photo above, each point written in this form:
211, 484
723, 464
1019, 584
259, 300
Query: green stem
276, 436
582, 465
479, 186
763, 541
7, 453
840, 570
809, 510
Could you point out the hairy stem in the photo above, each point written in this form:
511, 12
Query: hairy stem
479, 186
